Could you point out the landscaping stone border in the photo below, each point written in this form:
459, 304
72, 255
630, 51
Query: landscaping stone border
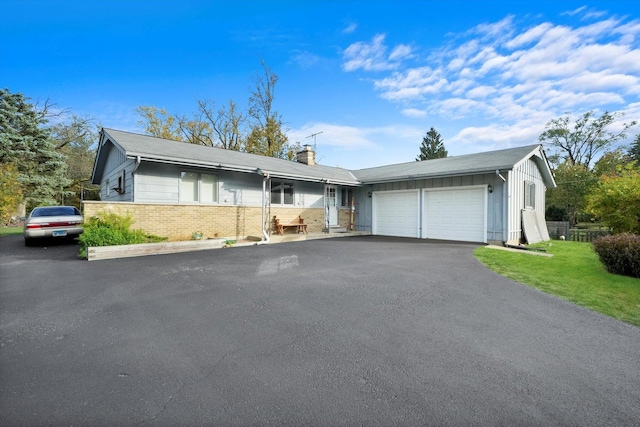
124, 251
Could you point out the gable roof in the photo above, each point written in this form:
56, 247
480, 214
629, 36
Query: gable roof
149, 148
468, 164
160, 150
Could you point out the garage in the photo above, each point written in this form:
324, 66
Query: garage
396, 213
455, 214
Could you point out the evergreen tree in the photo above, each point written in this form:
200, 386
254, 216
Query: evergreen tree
634, 150
432, 146
26, 143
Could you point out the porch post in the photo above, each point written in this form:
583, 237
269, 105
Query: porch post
265, 235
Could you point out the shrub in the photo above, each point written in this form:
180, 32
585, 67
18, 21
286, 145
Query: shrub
108, 228
616, 200
555, 213
620, 253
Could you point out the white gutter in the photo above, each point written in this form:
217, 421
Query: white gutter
416, 177
247, 169
198, 164
310, 178
501, 177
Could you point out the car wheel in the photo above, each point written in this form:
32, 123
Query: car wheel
28, 242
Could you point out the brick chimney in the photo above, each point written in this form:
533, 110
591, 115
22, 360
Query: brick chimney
306, 156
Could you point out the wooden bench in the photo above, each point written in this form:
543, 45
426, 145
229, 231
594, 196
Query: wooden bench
283, 223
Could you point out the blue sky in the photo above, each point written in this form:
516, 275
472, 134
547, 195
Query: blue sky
372, 76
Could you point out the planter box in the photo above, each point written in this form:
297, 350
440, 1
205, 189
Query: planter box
125, 251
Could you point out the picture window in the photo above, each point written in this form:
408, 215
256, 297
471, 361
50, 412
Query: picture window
198, 187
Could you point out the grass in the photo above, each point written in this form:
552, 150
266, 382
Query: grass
10, 231
575, 274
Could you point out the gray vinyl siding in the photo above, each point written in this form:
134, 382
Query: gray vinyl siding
119, 165
309, 194
239, 189
160, 183
157, 183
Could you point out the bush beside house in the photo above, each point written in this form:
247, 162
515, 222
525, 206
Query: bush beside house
620, 253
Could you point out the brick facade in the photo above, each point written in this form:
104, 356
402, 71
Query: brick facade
179, 221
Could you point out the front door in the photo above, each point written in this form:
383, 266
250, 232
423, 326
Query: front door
331, 205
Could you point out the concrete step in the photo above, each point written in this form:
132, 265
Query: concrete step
336, 229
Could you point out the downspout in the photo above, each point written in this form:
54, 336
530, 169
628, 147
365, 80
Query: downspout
137, 164
505, 208
133, 179
265, 235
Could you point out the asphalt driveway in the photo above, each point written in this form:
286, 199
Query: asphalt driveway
350, 331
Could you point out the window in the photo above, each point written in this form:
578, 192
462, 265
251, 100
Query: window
346, 195
529, 195
198, 187
281, 193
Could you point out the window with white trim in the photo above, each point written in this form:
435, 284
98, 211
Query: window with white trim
529, 195
281, 193
198, 187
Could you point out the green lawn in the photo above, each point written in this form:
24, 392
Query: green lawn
574, 273
8, 231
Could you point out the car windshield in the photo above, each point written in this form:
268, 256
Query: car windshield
55, 211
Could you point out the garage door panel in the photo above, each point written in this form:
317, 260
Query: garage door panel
396, 213
455, 214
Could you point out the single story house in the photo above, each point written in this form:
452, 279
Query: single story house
175, 189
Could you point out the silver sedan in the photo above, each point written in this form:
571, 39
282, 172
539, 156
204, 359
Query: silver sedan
52, 222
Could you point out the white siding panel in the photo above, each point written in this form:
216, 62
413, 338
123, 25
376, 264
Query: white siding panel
525, 171
396, 213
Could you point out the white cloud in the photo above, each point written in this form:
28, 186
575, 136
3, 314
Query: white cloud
345, 137
360, 147
575, 11
415, 113
372, 56
502, 75
529, 36
350, 28
304, 59
400, 52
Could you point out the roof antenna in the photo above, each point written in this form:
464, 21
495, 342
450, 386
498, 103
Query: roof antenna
313, 135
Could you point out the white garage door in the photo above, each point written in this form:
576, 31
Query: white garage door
396, 213
458, 214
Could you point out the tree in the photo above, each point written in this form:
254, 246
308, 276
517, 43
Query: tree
270, 141
76, 140
226, 127
432, 146
157, 122
574, 182
634, 150
588, 137
227, 123
27, 143
267, 137
616, 200
610, 163
10, 191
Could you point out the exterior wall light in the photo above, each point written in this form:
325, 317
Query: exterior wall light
490, 188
